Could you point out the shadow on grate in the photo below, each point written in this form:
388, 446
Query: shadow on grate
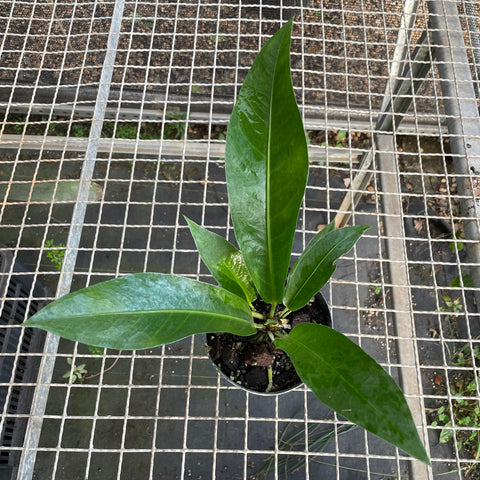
17, 367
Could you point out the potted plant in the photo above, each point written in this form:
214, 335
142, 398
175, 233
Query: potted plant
266, 167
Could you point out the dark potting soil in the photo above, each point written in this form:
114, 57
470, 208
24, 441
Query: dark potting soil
246, 360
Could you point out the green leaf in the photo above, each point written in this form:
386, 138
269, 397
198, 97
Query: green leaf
467, 281
351, 382
266, 165
144, 310
446, 434
224, 261
341, 135
315, 265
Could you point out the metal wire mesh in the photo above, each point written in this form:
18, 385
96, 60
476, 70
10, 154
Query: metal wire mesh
114, 121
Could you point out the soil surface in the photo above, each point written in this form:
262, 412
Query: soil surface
246, 360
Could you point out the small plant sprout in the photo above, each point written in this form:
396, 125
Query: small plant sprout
341, 136
76, 372
337, 141
456, 245
175, 125
451, 305
55, 253
266, 166
97, 351
80, 130
136, 18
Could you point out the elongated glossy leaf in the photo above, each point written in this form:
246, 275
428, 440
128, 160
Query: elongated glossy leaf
351, 382
224, 261
315, 265
266, 166
144, 310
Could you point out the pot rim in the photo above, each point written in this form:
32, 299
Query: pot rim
324, 305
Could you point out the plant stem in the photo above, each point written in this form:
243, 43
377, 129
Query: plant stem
285, 312
258, 315
270, 379
104, 371
272, 310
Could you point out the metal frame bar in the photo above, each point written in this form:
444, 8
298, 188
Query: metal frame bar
401, 296
463, 119
32, 436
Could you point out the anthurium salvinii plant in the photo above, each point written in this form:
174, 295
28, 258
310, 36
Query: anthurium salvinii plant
266, 167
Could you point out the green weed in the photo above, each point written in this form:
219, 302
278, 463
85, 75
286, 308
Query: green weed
338, 140
126, 130
55, 253
175, 128
95, 350
219, 38
18, 128
76, 372
463, 416
466, 279
121, 130
80, 130
138, 19
456, 246
453, 306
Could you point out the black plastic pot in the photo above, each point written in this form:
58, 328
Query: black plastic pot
232, 355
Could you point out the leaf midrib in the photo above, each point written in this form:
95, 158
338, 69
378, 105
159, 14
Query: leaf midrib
271, 264
314, 354
152, 312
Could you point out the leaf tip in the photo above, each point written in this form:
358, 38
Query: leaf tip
28, 323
